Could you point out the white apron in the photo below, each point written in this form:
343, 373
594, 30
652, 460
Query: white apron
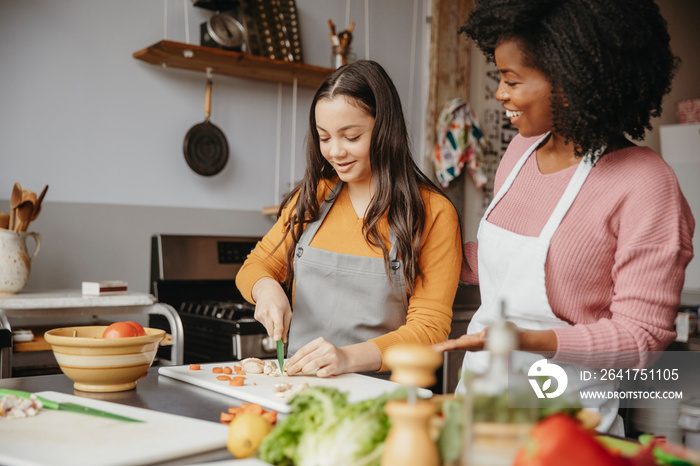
512, 270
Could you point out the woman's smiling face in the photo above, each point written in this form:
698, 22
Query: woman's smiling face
524, 91
345, 134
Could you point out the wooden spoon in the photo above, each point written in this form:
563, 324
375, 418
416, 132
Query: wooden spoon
24, 216
4, 220
14, 203
25, 210
37, 206
28, 196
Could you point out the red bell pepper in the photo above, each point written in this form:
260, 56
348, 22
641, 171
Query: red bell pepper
561, 440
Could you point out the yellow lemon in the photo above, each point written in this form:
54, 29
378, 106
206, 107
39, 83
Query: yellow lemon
245, 434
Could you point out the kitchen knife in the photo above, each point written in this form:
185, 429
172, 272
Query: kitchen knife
280, 355
72, 407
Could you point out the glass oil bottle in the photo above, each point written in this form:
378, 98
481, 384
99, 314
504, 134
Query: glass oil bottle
499, 408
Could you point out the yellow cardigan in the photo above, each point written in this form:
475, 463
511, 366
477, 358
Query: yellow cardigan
429, 309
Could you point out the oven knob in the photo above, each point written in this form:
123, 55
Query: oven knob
268, 344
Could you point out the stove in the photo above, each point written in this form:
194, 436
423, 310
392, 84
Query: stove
196, 275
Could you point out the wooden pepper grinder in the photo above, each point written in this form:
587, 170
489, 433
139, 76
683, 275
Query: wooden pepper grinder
409, 442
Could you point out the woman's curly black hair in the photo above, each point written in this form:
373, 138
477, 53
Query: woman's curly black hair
609, 61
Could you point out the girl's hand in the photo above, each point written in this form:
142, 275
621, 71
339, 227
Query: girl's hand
272, 308
325, 359
473, 342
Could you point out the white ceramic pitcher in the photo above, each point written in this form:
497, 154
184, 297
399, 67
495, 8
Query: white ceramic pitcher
15, 261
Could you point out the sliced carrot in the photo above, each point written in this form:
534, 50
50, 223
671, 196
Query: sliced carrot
235, 410
252, 408
237, 382
270, 416
227, 370
195, 367
223, 377
226, 417
218, 370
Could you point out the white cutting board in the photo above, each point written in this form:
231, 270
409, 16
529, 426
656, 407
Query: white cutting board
59, 438
258, 388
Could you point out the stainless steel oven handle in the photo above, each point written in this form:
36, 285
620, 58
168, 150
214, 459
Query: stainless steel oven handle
237, 350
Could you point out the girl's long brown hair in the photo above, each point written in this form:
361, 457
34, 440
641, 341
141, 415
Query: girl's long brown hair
397, 179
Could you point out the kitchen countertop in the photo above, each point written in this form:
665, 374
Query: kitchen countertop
153, 392
72, 303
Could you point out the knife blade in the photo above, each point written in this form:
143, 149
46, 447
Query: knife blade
280, 355
72, 407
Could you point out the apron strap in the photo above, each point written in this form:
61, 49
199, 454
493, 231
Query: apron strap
326, 205
313, 227
584, 168
513, 173
393, 253
574, 186
511, 177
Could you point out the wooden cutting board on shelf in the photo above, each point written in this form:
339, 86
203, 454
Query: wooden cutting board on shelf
259, 388
37, 344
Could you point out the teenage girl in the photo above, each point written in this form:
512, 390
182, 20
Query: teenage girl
370, 247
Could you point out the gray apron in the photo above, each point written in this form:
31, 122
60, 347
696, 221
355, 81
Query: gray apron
344, 298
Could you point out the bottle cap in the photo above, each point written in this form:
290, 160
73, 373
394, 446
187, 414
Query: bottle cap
502, 335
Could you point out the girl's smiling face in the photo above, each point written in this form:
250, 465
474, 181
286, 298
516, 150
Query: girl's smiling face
345, 133
524, 91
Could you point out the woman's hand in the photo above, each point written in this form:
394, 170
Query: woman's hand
473, 342
325, 359
272, 307
535, 341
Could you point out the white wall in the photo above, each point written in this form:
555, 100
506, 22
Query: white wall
77, 112
105, 131
682, 17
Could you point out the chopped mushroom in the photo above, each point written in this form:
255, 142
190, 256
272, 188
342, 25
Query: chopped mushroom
253, 365
287, 390
272, 369
13, 407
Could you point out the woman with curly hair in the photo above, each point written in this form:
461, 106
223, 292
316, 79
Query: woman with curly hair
588, 236
369, 245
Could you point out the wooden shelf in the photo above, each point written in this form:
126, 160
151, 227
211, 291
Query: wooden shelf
270, 210
225, 62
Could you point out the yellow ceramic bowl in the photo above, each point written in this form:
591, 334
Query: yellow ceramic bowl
97, 364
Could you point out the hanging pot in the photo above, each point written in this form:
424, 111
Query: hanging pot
205, 146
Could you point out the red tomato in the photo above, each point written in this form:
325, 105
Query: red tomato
120, 330
139, 329
554, 440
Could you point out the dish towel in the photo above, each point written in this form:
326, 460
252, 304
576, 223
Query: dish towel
460, 142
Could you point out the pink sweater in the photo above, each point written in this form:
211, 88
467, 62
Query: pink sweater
616, 264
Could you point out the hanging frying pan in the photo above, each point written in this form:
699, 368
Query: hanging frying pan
205, 147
